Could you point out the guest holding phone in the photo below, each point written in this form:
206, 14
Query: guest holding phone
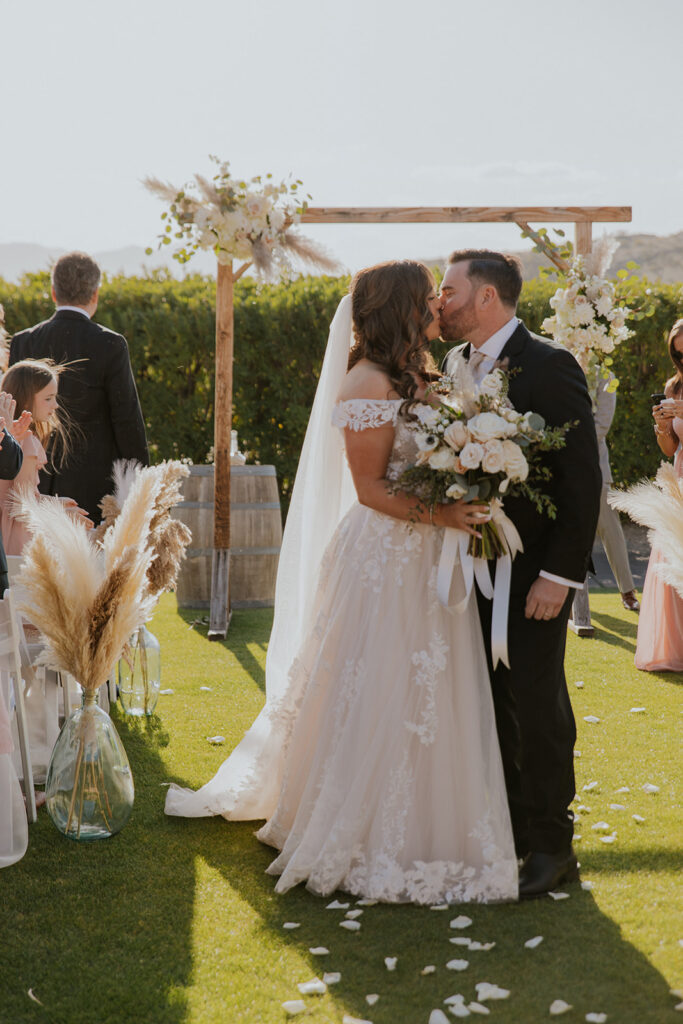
660, 628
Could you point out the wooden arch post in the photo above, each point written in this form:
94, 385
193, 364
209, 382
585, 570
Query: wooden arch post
583, 217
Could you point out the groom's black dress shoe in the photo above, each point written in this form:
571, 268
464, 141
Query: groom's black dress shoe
541, 872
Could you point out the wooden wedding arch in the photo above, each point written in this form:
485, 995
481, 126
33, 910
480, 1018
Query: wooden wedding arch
583, 218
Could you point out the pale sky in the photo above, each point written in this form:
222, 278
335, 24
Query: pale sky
369, 102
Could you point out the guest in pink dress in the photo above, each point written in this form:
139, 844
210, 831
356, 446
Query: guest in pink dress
660, 627
32, 383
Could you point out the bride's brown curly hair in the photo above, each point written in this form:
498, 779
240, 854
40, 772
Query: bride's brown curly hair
390, 320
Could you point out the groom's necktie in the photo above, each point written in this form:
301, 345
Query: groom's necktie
477, 366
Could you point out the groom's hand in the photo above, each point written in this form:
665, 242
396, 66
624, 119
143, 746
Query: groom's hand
545, 599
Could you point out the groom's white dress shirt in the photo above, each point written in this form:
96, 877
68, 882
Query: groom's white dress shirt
491, 350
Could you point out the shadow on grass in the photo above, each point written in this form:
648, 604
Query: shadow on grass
248, 629
615, 632
102, 931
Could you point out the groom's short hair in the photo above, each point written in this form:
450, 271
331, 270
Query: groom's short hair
499, 269
75, 279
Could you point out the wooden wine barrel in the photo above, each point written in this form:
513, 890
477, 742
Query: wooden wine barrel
255, 537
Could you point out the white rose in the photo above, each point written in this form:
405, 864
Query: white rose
471, 455
456, 435
427, 415
487, 425
493, 460
456, 491
493, 383
443, 459
515, 464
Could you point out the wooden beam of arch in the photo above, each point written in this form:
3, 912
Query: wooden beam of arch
464, 214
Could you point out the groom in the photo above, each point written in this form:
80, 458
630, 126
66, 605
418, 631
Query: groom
536, 728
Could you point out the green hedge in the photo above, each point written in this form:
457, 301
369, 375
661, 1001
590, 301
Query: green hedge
280, 336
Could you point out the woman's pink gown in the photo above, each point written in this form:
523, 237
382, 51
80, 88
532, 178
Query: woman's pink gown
660, 627
14, 534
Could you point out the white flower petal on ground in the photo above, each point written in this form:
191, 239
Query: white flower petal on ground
559, 1006
590, 786
532, 943
577, 837
617, 807
461, 922
587, 886
351, 926
351, 915
478, 1008
429, 969
460, 940
596, 1018
577, 753
390, 962
486, 991
591, 719
583, 809
371, 999
622, 789
635, 711
290, 925
318, 950
438, 1017
206, 689
600, 826
440, 906
294, 1006
336, 905
559, 895
579, 683
608, 839
638, 818
457, 965
216, 740
459, 1010
366, 903
165, 693
649, 787
346, 1019
315, 987
453, 1000
332, 977
481, 945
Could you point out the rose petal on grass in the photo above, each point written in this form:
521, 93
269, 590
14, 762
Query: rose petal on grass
390, 962
608, 839
351, 926
459, 1010
478, 1008
206, 689
649, 787
438, 1017
332, 978
559, 895
440, 906
166, 693
583, 809
318, 950
291, 925
460, 940
559, 1006
457, 965
461, 922
589, 786
33, 997
532, 943
596, 1018
638, 818
294, 1006
453, 1000
366, 903
577, 753
371, 999
481, 945
635, 711
216, 741
346, 1019
486, 991
579, 683
315, 987
622, 789
336, 905
587, 886
577, 838
351, 915
600, 826
429, 969
591, 719
617, 807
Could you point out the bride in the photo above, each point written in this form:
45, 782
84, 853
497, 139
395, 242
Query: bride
375, 759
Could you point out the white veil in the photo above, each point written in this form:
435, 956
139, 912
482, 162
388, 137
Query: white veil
247, 783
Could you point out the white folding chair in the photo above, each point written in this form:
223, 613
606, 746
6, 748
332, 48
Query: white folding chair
13, 687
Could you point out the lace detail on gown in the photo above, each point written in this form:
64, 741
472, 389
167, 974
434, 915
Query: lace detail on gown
365, 413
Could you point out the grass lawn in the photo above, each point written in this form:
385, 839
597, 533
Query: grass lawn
175, 921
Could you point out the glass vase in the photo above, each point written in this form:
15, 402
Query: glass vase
89, 790
140, 674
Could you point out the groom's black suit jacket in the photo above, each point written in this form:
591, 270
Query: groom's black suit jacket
548, 380
98, 393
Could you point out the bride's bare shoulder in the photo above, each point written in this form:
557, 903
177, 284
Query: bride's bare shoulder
367, 380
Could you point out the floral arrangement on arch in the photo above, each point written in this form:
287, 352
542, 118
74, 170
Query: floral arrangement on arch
238, 219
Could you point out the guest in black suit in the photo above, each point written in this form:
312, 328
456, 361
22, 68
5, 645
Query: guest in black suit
97, 390
535, 722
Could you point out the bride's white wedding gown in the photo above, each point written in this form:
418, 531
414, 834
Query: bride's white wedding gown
382, 775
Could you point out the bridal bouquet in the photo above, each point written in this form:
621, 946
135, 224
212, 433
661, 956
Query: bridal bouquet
473, 444
587, 318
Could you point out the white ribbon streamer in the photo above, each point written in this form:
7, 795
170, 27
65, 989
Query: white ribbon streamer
455, 551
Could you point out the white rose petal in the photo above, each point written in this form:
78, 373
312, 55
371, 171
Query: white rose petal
617, 807
596, 1018
478, 1008
559, 895
461, 922
591, 719
481, 945
294, 1006
290, 925
454, 1000
332, 978
532, 943
579, 683
353, 914
216, 740
622, 789
351, 926
600, 826
459, 1010
588, 886
649, 787
207, 689
371, 999
635, 711
590, 786
460, 941
391, 962
577, 753
438, 1017
318, 950
583, 809
608, 839
429, 969
316, 987
336, 905
347, 1019
166, 692
486, 991
366, 903
559, 1006
638, 818
457, 965
441, 906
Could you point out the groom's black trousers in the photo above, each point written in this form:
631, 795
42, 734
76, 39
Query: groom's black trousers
536, 728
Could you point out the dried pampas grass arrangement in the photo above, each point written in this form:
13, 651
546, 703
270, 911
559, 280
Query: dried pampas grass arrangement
658, 505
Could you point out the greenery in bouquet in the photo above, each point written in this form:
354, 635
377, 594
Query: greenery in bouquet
473, 445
